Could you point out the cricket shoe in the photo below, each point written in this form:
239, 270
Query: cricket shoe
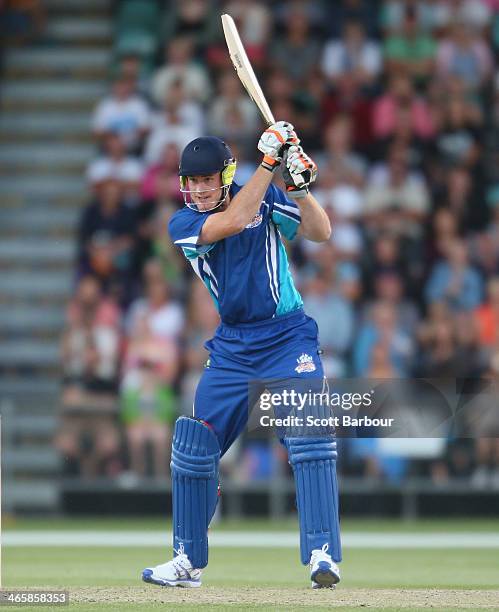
177, 572
324, 572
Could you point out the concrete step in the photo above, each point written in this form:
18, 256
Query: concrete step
77, 6
35, 459
40, 389
36, 354
44, 124
56, 153
51, 95
35, 285
43, 186
40, 58
30, 495
79, 30
46, 220
31, 318
41, 251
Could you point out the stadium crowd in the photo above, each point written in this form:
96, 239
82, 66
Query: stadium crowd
398, 103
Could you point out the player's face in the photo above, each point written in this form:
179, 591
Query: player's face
205, 190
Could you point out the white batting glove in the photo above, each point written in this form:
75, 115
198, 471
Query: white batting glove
273, 142
299, 172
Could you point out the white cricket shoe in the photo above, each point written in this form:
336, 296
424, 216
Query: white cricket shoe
177, 572
324, 572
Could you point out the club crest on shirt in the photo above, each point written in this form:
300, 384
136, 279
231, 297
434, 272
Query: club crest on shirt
305, 364
256, 221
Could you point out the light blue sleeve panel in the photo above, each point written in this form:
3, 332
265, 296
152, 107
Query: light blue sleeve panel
185, 228
285, 214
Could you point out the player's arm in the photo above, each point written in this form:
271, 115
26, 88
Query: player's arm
299, 172
246, 203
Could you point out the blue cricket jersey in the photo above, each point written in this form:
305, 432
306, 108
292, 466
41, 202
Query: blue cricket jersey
246, 274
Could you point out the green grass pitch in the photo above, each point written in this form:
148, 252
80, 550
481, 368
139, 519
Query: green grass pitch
260, 579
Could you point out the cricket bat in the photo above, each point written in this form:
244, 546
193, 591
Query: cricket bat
244, 69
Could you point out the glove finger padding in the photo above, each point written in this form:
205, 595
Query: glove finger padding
273, 142
300, 171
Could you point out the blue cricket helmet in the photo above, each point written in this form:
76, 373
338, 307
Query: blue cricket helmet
202, 157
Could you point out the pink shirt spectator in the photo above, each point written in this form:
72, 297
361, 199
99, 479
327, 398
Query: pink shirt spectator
385, 114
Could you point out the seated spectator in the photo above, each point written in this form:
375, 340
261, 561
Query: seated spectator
254, 23
389, 288
202, 320
485, 245
458, 140
397, 199
297, 43
123, 112
346, 166
341, 12
454, 281
88, 436
160, 182
106, 236
150, 370
348, 99
401, 96
382, 327
475, 13
232, 99
180, 66
116, 165
180, 121
336, 320
487, 316
393, 14
465, 54
191, 18
410, 50
21, 20
354, 54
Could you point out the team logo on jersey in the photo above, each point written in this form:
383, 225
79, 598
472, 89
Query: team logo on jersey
305, 364
256, 221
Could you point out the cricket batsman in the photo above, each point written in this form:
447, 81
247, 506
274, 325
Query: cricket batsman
231, 235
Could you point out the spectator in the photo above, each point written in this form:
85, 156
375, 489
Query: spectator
352, 54
116, 165
382, 328
336, 319
454, 280
88, 437
150, 369
180, 66
232, 101
194, 19
122, 112
410, 50
466, 55
106, 237
160, 182
254, 25
397, 198
487, 316
181, 121
401, 97
296, 43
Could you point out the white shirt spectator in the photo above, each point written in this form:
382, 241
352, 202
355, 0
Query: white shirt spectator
127, 170
127, 117
194, 79
164, 322
338, 59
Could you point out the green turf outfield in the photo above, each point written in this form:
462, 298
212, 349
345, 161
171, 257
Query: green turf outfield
239, 575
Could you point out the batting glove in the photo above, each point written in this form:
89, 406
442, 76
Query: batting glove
299, 172
273, 142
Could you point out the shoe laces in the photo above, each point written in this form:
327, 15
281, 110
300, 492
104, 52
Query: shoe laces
181, 562
319, 552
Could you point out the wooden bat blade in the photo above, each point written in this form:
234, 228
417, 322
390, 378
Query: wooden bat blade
244, 69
